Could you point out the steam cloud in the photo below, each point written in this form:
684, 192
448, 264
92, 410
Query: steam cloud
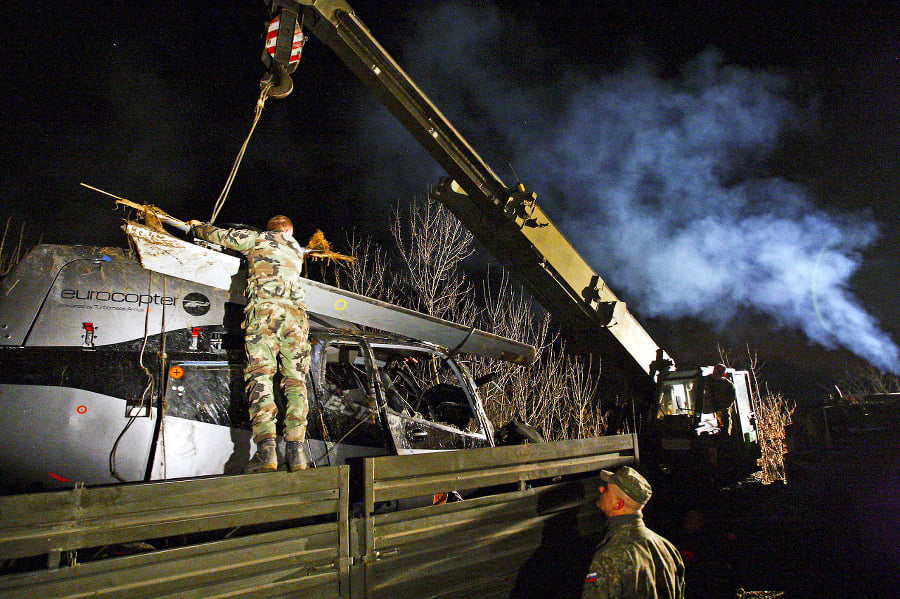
659, 170
659, 181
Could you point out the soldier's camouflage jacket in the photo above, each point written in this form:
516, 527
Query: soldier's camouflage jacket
276, 325
275, 259
633, 562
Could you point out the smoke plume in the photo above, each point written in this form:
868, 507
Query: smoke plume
659, 181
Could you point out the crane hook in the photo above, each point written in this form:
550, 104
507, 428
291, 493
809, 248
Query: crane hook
281, 83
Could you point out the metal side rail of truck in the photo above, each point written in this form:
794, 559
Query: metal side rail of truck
115, 369
526, 527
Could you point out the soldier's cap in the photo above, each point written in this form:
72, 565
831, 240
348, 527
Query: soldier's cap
630, 481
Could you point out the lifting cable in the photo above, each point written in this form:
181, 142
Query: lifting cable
146, 395
237, 161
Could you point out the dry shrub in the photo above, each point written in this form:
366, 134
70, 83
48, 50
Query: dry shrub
557, 394
773, 415
432, 244
867, 380
11, 251
369, 274
742, 594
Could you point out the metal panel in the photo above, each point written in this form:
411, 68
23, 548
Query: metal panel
264, 565
23, 291
122, 300
307, 552
396, 477
521, 523
337, 303
169, 255
125, 300
487, 547
744, 408
55, 435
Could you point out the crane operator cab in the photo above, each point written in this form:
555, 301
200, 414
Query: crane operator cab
704, 406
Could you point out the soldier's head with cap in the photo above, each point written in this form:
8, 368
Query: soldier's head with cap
624, 491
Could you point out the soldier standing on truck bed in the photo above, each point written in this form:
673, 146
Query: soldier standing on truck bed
276, 326
632, 561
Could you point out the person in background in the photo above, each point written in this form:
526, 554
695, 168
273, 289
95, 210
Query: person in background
631, 561
719, 397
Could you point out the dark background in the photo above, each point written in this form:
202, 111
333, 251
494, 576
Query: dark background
152, 100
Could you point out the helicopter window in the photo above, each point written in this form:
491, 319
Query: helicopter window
417, 385
345, 385
424, 385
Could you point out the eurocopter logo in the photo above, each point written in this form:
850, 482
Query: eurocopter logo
117, 297
195, 304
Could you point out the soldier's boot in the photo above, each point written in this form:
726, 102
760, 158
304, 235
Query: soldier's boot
265, 459
296, 459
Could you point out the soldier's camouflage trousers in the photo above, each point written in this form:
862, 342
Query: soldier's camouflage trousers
277, 328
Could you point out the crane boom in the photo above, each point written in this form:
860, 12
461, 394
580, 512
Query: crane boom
507, 221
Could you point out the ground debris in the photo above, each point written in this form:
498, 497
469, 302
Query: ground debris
742, 594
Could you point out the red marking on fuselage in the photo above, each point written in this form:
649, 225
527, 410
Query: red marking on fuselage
59, 478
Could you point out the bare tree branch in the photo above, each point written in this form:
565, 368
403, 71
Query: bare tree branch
557, 394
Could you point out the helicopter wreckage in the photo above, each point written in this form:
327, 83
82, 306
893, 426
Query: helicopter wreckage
120, 366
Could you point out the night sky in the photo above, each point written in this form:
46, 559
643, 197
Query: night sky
730, 170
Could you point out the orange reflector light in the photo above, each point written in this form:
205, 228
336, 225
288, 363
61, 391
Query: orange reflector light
176, 372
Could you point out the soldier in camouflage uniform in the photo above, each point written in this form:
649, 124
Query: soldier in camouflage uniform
632, 561
276, 327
